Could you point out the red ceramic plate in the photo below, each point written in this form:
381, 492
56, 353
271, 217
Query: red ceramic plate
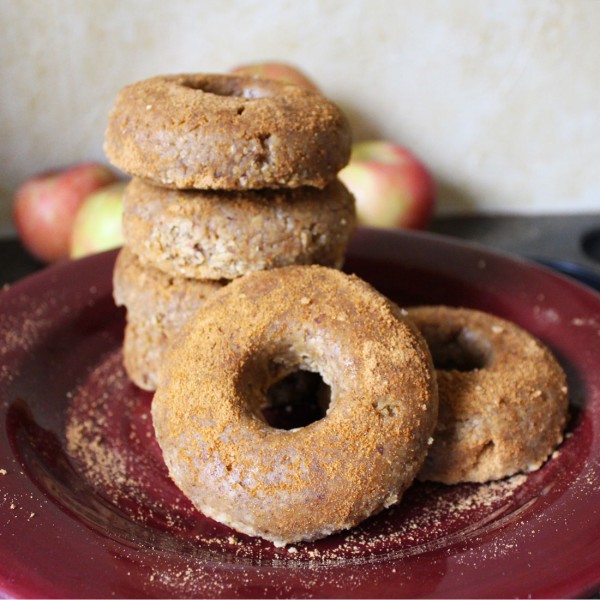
89, 511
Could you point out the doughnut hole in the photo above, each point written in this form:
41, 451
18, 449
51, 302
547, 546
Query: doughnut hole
229, 87
458, 349
297, 400
285, 388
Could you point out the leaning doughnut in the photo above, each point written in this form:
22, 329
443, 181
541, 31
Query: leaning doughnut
158, 305
303, 484
217, 234
503, 396
226, 132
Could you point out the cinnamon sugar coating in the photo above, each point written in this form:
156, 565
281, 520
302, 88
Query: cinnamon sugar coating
503, 396
226, 132
218, 234
158, 305
303, 484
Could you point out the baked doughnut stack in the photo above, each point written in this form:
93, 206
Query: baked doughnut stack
230, 175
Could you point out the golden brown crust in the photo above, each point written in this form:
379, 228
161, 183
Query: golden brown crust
226, 132
158, 306
217, 234
303, 484
503, 396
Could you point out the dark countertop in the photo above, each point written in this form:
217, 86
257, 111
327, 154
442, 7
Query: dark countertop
15, 262
569, 244
561, 239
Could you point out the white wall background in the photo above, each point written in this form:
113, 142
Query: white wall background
501, 98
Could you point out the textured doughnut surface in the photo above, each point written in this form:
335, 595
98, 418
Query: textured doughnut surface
144, 349
503, 396
216, 234
226, 132
302, 484
158, 305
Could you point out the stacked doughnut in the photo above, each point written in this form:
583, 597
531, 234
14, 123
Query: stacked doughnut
230, 175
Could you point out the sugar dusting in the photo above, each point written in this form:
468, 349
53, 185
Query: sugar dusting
21, 335
111, 445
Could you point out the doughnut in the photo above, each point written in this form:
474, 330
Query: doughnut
144, 349
222, 235
228, 132
502, 396
158, 305
155, 295
300, 484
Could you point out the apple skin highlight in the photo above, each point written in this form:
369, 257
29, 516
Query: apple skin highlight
45, 206
392, 187
97, 225
278, 71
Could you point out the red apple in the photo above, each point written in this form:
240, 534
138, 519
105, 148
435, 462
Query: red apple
45, 206
278, 71
97, 226
391, 186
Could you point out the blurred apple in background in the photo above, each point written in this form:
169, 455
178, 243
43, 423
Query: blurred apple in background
97, 226
45, 206
278, 71
391, 186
